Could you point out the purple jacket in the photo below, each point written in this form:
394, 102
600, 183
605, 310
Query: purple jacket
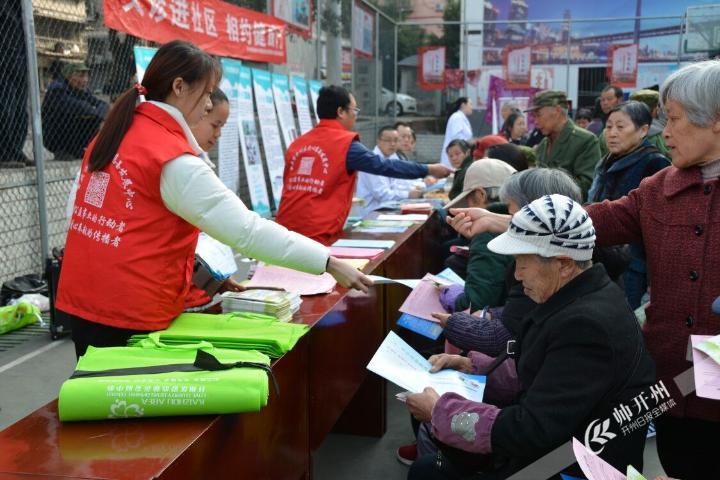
677, 219
467, 425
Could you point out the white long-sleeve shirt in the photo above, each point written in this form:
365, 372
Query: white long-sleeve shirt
458, 128
377, 189
191, 190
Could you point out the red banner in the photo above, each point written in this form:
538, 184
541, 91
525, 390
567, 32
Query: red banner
431, 68
216, 27
623, 64
517, 66
454, 78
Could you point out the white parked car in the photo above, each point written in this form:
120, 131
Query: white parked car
400, 105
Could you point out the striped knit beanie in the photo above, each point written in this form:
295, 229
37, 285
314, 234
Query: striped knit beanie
551, 226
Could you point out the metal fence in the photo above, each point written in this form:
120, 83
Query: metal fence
61, 69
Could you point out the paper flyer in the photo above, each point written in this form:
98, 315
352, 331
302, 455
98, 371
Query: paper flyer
424, 300
250, 146
274, 157
292, 280
397, 362
281, 93
300, 91
706, 370
315, 86
228, 144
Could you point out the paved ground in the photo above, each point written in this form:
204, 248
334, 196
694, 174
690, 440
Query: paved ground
32, 368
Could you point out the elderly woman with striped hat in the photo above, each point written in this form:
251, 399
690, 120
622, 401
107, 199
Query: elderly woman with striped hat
577, 356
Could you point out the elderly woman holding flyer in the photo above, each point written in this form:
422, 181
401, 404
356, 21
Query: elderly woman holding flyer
535, 402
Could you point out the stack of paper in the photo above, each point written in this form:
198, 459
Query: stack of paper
382, 226
292, 280
408, 208
234, 331
416, 217
281, 305
362, 243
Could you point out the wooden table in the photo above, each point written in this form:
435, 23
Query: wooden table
324, 386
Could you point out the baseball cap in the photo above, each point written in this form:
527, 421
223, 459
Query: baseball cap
548, 98
483, 173
70, 68
551, 226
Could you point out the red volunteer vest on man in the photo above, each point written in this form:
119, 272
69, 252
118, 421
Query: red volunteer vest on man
128, 259
317, 188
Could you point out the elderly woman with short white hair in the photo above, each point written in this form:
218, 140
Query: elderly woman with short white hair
579, 355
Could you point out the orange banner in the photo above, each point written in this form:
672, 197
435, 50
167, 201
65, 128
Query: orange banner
216, 27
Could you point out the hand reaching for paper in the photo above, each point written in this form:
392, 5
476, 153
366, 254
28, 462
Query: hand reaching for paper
348, 276
230, 285
441, 317
469, 222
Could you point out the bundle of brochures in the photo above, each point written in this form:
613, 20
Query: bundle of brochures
282, 305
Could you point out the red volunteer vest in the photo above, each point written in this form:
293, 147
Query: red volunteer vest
128, 259
317, 188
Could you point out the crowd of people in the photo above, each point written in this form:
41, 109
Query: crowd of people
564, 244
611, 221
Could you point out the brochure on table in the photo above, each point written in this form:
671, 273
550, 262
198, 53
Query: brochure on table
250, 145
274, 157
281, 93
397, 362
300, 91
228, 144
315, 86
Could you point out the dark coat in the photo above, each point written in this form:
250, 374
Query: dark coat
578, 355
677, 219
617, 176
70, 118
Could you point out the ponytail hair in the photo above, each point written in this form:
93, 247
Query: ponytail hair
174, 59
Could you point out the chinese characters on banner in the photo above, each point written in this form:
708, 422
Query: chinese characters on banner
214, 26
297, 14
517, 66
363, 31
623, 64
431, 68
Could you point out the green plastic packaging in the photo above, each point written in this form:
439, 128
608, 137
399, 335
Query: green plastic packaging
115, 395
236, 331
17, 316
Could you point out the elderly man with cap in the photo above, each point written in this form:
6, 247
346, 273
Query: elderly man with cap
565, 145
71, 114
651, 98
485, 279
578, 357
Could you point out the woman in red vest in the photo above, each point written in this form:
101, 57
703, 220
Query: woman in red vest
142, 198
